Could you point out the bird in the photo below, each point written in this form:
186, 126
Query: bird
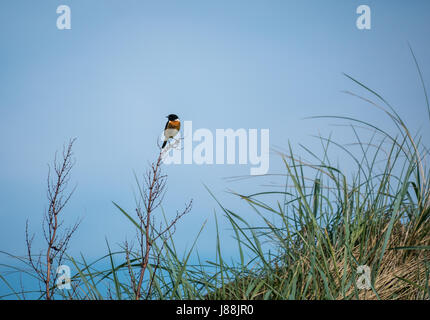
172, 128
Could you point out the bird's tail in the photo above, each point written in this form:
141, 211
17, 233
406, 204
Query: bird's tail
164, 144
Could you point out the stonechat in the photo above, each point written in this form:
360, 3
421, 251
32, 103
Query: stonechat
172, 128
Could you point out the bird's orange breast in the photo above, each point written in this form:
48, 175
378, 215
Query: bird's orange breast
176, 124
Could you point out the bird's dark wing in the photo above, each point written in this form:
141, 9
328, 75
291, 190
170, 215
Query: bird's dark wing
167, 123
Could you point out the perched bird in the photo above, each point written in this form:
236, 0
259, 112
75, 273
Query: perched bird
172, 128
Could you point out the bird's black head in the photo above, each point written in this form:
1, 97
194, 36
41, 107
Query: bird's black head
172, 117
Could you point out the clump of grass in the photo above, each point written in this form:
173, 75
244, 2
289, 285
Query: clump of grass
326, 223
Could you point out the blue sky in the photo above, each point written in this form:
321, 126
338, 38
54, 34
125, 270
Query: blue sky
111, 80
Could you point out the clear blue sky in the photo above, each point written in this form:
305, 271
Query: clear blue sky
125, 65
